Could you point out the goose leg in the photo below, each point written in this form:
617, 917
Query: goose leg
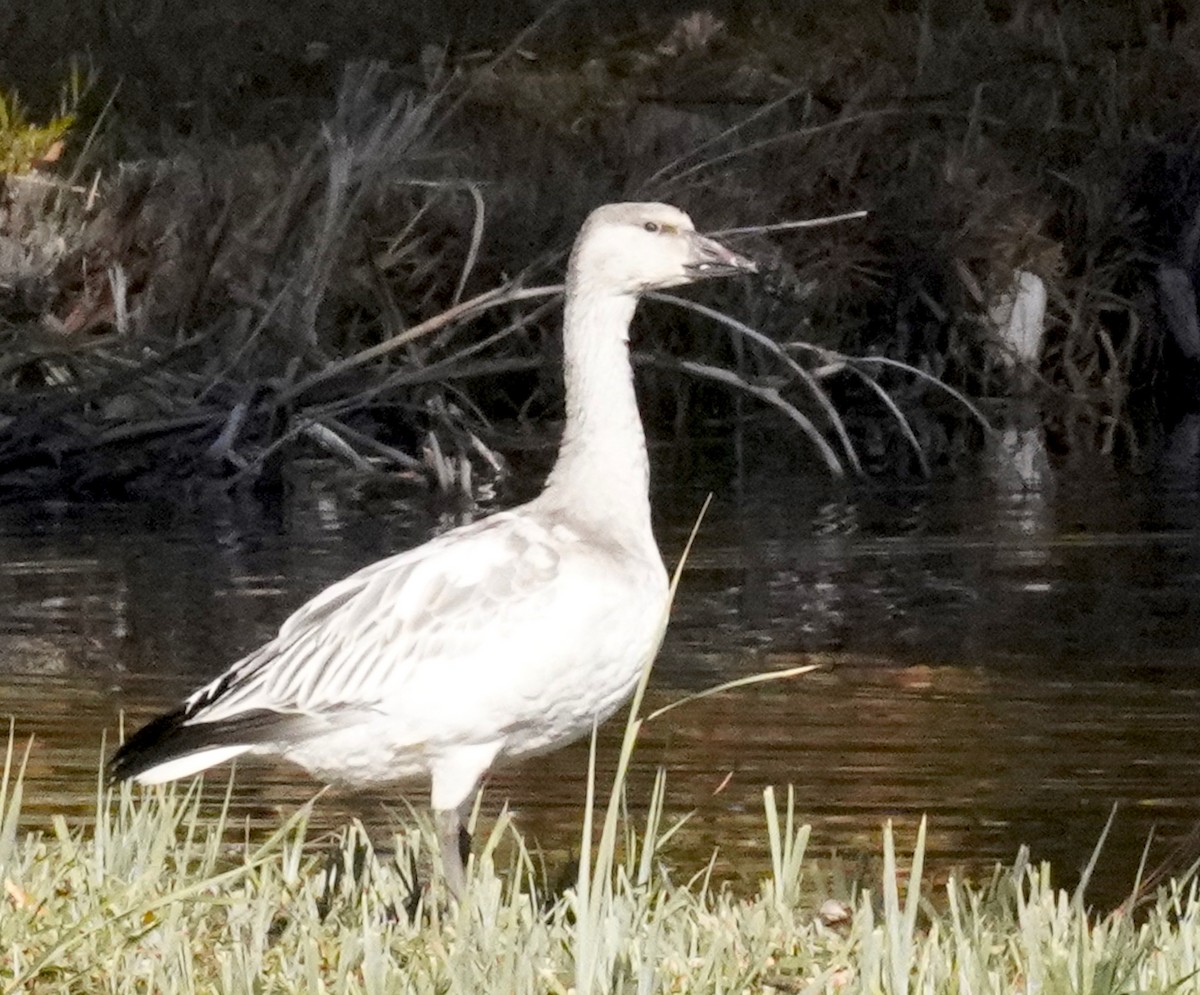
455, 844
456, 777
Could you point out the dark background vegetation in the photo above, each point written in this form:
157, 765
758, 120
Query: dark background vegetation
984, 138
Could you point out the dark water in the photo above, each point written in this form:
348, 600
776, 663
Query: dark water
1012, 658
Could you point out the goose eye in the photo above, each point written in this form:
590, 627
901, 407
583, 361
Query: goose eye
651, 226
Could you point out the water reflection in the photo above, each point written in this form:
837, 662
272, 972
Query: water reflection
1010, 660
1181, 457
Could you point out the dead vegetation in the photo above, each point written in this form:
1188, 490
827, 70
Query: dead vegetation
381, 288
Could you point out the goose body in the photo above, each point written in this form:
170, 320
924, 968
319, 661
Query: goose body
500, 639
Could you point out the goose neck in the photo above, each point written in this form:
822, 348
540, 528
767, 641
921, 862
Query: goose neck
602, 469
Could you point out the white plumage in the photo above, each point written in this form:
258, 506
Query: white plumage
500, 639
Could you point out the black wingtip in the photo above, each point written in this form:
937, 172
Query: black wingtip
154, 743
180, 733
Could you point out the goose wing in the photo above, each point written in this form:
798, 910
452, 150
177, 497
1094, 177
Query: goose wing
359, 642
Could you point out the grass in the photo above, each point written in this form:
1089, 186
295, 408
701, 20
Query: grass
24, 145
161, 896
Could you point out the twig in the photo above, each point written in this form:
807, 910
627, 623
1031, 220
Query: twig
934, 381
331, 442
830, 219
412, 377
370, 442
467, 309
223, 443
161, 426
664, 171
766, 394
808, 132
476, 241
773, 347
894, 408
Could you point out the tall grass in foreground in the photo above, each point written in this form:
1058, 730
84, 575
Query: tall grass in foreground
156, 899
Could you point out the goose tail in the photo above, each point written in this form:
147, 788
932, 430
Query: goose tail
170, 747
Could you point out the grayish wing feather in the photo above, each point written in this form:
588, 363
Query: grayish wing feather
353, 642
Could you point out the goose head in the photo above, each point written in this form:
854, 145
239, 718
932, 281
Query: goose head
633, 248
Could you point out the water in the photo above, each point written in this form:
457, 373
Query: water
1011, 661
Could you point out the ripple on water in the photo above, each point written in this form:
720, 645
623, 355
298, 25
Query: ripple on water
1013, 670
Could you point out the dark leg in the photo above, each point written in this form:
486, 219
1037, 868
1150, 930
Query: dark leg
454, 780
455, 844
464, 843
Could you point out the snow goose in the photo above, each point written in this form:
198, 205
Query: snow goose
504, 638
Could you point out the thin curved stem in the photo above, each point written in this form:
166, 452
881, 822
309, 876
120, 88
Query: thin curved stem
773, 347
508, 294
931, 379
663, 172
740, 682
829, 219
894, 408
766, 394
785, 137
476, 241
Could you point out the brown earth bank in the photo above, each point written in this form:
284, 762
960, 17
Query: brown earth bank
261, 229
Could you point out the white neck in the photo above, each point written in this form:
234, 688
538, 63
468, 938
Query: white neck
602, 474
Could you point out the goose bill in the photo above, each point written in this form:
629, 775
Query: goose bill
711, 258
